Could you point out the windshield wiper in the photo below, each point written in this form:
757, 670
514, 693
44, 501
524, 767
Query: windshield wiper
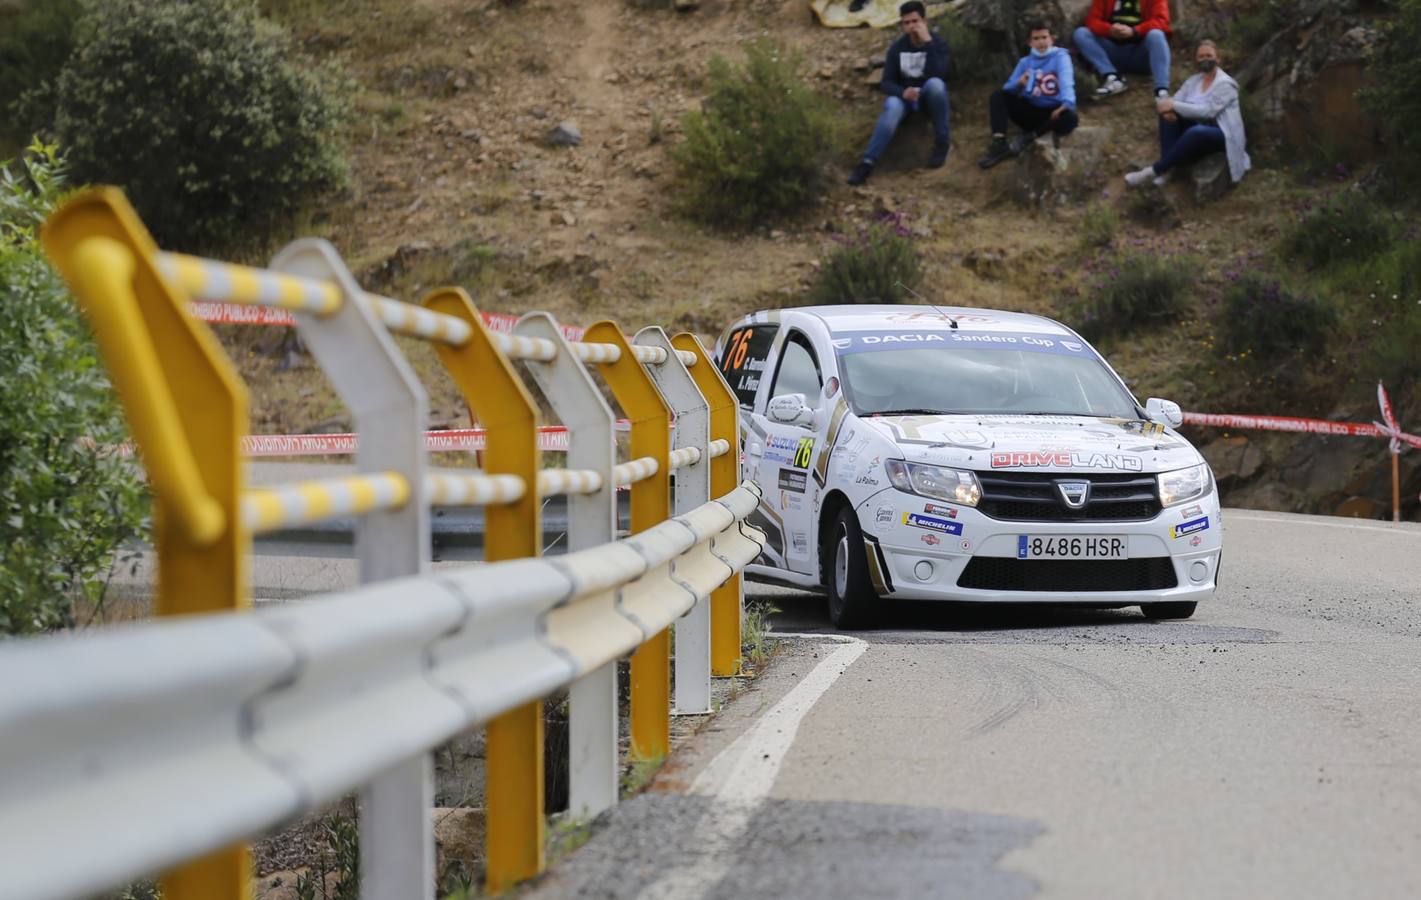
911, 412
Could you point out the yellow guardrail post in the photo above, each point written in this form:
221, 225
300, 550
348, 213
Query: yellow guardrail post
187, 409
725, 477
514, 829
650, 418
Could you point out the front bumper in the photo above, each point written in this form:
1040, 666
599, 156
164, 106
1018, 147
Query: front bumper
922, 548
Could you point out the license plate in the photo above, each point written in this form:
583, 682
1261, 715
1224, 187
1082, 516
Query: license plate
1071, 546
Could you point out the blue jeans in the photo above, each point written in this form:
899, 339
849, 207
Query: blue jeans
1184, 141
933, 98
1108, 56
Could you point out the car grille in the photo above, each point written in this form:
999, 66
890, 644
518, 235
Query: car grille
1005, 573
1032, 497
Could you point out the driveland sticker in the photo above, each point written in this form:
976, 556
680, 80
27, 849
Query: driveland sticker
932, 523
1185, 528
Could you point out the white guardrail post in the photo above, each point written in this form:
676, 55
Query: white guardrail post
591, 522
690, 488
390, 411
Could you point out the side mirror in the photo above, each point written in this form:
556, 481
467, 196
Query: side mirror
791, 409
1165, 412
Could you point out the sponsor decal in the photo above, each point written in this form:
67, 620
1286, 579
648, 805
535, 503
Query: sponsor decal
930, 539
1191, 512
793, 481
782, 450
800, 540
934, 509
1064, 459
884, 516
804, 453
966, 544
1196, 540
867, 479
991, 340
791, 501
932, 523
1190, 527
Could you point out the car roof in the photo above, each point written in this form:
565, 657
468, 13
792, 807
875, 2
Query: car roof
919, 317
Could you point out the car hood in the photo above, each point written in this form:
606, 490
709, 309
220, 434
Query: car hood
1037, 443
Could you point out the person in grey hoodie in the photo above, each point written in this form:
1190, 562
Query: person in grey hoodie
1203, 117
1039, 96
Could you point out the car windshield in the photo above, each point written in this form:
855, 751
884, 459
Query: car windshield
982, 381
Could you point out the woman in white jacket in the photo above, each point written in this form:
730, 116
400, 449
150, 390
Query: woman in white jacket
1202, 117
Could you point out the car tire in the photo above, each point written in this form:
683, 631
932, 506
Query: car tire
851, 595
1176, 610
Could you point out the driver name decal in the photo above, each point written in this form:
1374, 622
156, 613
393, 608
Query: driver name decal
1065, 459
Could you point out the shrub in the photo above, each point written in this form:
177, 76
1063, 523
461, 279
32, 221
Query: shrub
1395, 95
36, 37
65, 507
198, 109
1392, 314
1348, 226
870, 267
758, 148
1262, 321
1134, 291
1151, 206
970, 60
1099, 226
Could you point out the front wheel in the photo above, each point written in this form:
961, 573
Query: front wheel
1176, 610
851, 596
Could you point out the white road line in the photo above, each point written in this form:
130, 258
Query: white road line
741, 775
1400, 529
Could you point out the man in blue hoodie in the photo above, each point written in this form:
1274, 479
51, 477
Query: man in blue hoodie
914, 78
1040, 96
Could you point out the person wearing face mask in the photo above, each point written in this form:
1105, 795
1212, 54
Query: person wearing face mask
1203, 117
914, 78
1040, 96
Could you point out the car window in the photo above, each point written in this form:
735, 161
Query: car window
982, 381
799, 371
742, 360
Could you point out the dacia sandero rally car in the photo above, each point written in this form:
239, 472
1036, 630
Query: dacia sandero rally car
931, 453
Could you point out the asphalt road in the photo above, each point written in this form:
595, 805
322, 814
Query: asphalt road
1269, 747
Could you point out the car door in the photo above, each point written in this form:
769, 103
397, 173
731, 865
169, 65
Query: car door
779, 455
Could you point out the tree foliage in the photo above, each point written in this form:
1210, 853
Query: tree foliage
67, 500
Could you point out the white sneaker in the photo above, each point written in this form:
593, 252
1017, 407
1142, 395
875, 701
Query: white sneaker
1136, 179
1114, 84
1162, 180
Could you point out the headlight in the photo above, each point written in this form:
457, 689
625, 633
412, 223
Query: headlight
1184, 485
939, 482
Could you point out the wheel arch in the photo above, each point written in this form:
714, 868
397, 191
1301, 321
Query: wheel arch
834, 500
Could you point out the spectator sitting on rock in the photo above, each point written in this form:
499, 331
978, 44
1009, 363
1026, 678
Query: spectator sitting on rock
1203, 117
1126, 36
1040, 96
914, 78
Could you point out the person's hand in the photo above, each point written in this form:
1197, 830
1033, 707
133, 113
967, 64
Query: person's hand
911, 94
1023, 80
1164, 106
1121, 32
1171, 116
1056, 113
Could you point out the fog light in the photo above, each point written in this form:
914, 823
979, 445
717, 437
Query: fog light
1198, 571
924, 570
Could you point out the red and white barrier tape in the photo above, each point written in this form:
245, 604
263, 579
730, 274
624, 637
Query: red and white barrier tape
1387, 429
242, 314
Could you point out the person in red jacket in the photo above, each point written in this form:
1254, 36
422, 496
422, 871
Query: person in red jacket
1126, 36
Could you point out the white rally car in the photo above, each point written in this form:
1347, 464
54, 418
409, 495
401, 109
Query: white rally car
931, 453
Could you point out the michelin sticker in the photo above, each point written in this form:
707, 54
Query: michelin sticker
932, 523
1189, 527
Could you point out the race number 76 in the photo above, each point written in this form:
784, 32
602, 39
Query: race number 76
737, 348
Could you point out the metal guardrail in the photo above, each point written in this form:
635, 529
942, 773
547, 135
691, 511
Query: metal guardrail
184, 737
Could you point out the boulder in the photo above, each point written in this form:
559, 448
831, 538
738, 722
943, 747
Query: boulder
1047, 174
1211, 177
566, 134
911, 146
458, 836
1234, 460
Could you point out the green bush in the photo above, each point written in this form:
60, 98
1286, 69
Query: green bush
36, 37
1391, 315
759, 146
970, 60
1348, 226
198, 109
1262, 321
1395, 95
1134, 291
65, 507
1099, 226
872, 267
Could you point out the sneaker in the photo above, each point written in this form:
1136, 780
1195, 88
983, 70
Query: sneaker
1113, 85
1137, 179
1161, 93
1162, 180
860, 173
997, 151
939, 155
1021, 142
